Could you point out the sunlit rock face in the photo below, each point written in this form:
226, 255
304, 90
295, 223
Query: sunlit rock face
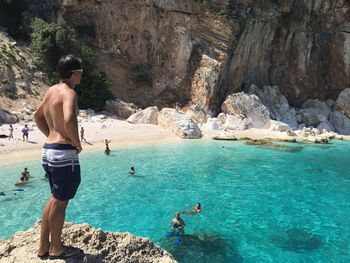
158, 52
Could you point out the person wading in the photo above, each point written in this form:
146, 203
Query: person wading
56, 117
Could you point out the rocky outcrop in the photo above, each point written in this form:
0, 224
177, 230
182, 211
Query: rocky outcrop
250, 107
146, 116
313, 112
99, 246
340, 122
120, 108
179, 123
342, 103
277, 104
237, 122
7, 118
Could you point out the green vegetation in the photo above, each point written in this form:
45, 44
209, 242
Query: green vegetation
4, 81
143, 78
49, 41
10, 93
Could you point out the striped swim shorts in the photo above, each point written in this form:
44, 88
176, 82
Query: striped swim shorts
61, 164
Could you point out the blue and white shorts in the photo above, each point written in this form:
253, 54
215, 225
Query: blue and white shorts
61, 163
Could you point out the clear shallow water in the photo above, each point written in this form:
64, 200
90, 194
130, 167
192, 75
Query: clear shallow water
258, 204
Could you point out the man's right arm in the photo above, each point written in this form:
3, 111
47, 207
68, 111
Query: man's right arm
70, 119
41, 121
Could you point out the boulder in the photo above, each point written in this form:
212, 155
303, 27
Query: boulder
340, 122
313, 112
120, 108
278, 126
204, 81
146, 116
325, 127
225, 136
212, 126
179, 123
222, 117
249, 106
277, 104
99, 246
342, 103
237, 122
196, 114
7, 117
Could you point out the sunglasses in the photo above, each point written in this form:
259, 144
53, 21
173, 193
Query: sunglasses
80, 71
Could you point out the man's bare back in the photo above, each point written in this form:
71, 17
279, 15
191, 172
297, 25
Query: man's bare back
59, 109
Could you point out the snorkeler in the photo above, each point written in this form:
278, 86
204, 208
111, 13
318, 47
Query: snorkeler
132, 170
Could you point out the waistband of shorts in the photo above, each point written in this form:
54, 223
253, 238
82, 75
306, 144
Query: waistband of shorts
58, 146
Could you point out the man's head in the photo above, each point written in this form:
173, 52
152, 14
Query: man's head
69, 67
177, 214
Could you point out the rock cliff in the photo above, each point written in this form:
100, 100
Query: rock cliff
194, 51
99, 246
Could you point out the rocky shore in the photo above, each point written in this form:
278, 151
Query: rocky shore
99, 246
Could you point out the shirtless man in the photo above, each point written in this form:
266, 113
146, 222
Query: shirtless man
178, 223
56, 117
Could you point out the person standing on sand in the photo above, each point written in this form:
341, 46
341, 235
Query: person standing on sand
82, 131
11, 132
56, 117
25, 132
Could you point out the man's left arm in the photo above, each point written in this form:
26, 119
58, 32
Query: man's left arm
41, 121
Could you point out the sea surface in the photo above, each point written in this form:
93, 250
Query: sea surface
289, 203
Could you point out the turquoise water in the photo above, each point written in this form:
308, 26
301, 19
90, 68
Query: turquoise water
258, 204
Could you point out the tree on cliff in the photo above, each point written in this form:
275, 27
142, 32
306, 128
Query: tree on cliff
49, 41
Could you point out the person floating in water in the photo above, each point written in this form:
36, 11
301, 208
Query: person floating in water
132, 170
25, 173
21, 181
196, 210
107, 150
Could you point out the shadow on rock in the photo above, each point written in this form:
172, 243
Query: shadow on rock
273, 146
202, 248
297, 240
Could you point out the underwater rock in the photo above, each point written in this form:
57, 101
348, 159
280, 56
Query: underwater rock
297, 240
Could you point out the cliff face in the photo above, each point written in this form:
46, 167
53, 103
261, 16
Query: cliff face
159, 52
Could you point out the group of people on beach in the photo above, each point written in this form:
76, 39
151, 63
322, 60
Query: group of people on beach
25, 132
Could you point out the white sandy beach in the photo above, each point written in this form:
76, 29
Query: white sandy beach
120, 132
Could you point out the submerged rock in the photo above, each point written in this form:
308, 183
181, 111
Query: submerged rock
297, 240
99, 246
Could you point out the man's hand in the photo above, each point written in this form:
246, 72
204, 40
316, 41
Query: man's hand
79, 149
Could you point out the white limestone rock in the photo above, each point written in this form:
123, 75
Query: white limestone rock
277, 104
249, 106
212, 126
179, 123
99, 246
146, 116
120, 108
197, 114
237, 122
278, 126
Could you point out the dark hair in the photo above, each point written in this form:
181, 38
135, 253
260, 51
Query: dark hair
199, 204
66, 64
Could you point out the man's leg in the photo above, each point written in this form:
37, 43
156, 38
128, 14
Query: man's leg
57, 215
44, 245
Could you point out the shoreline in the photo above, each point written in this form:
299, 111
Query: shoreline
119, 132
